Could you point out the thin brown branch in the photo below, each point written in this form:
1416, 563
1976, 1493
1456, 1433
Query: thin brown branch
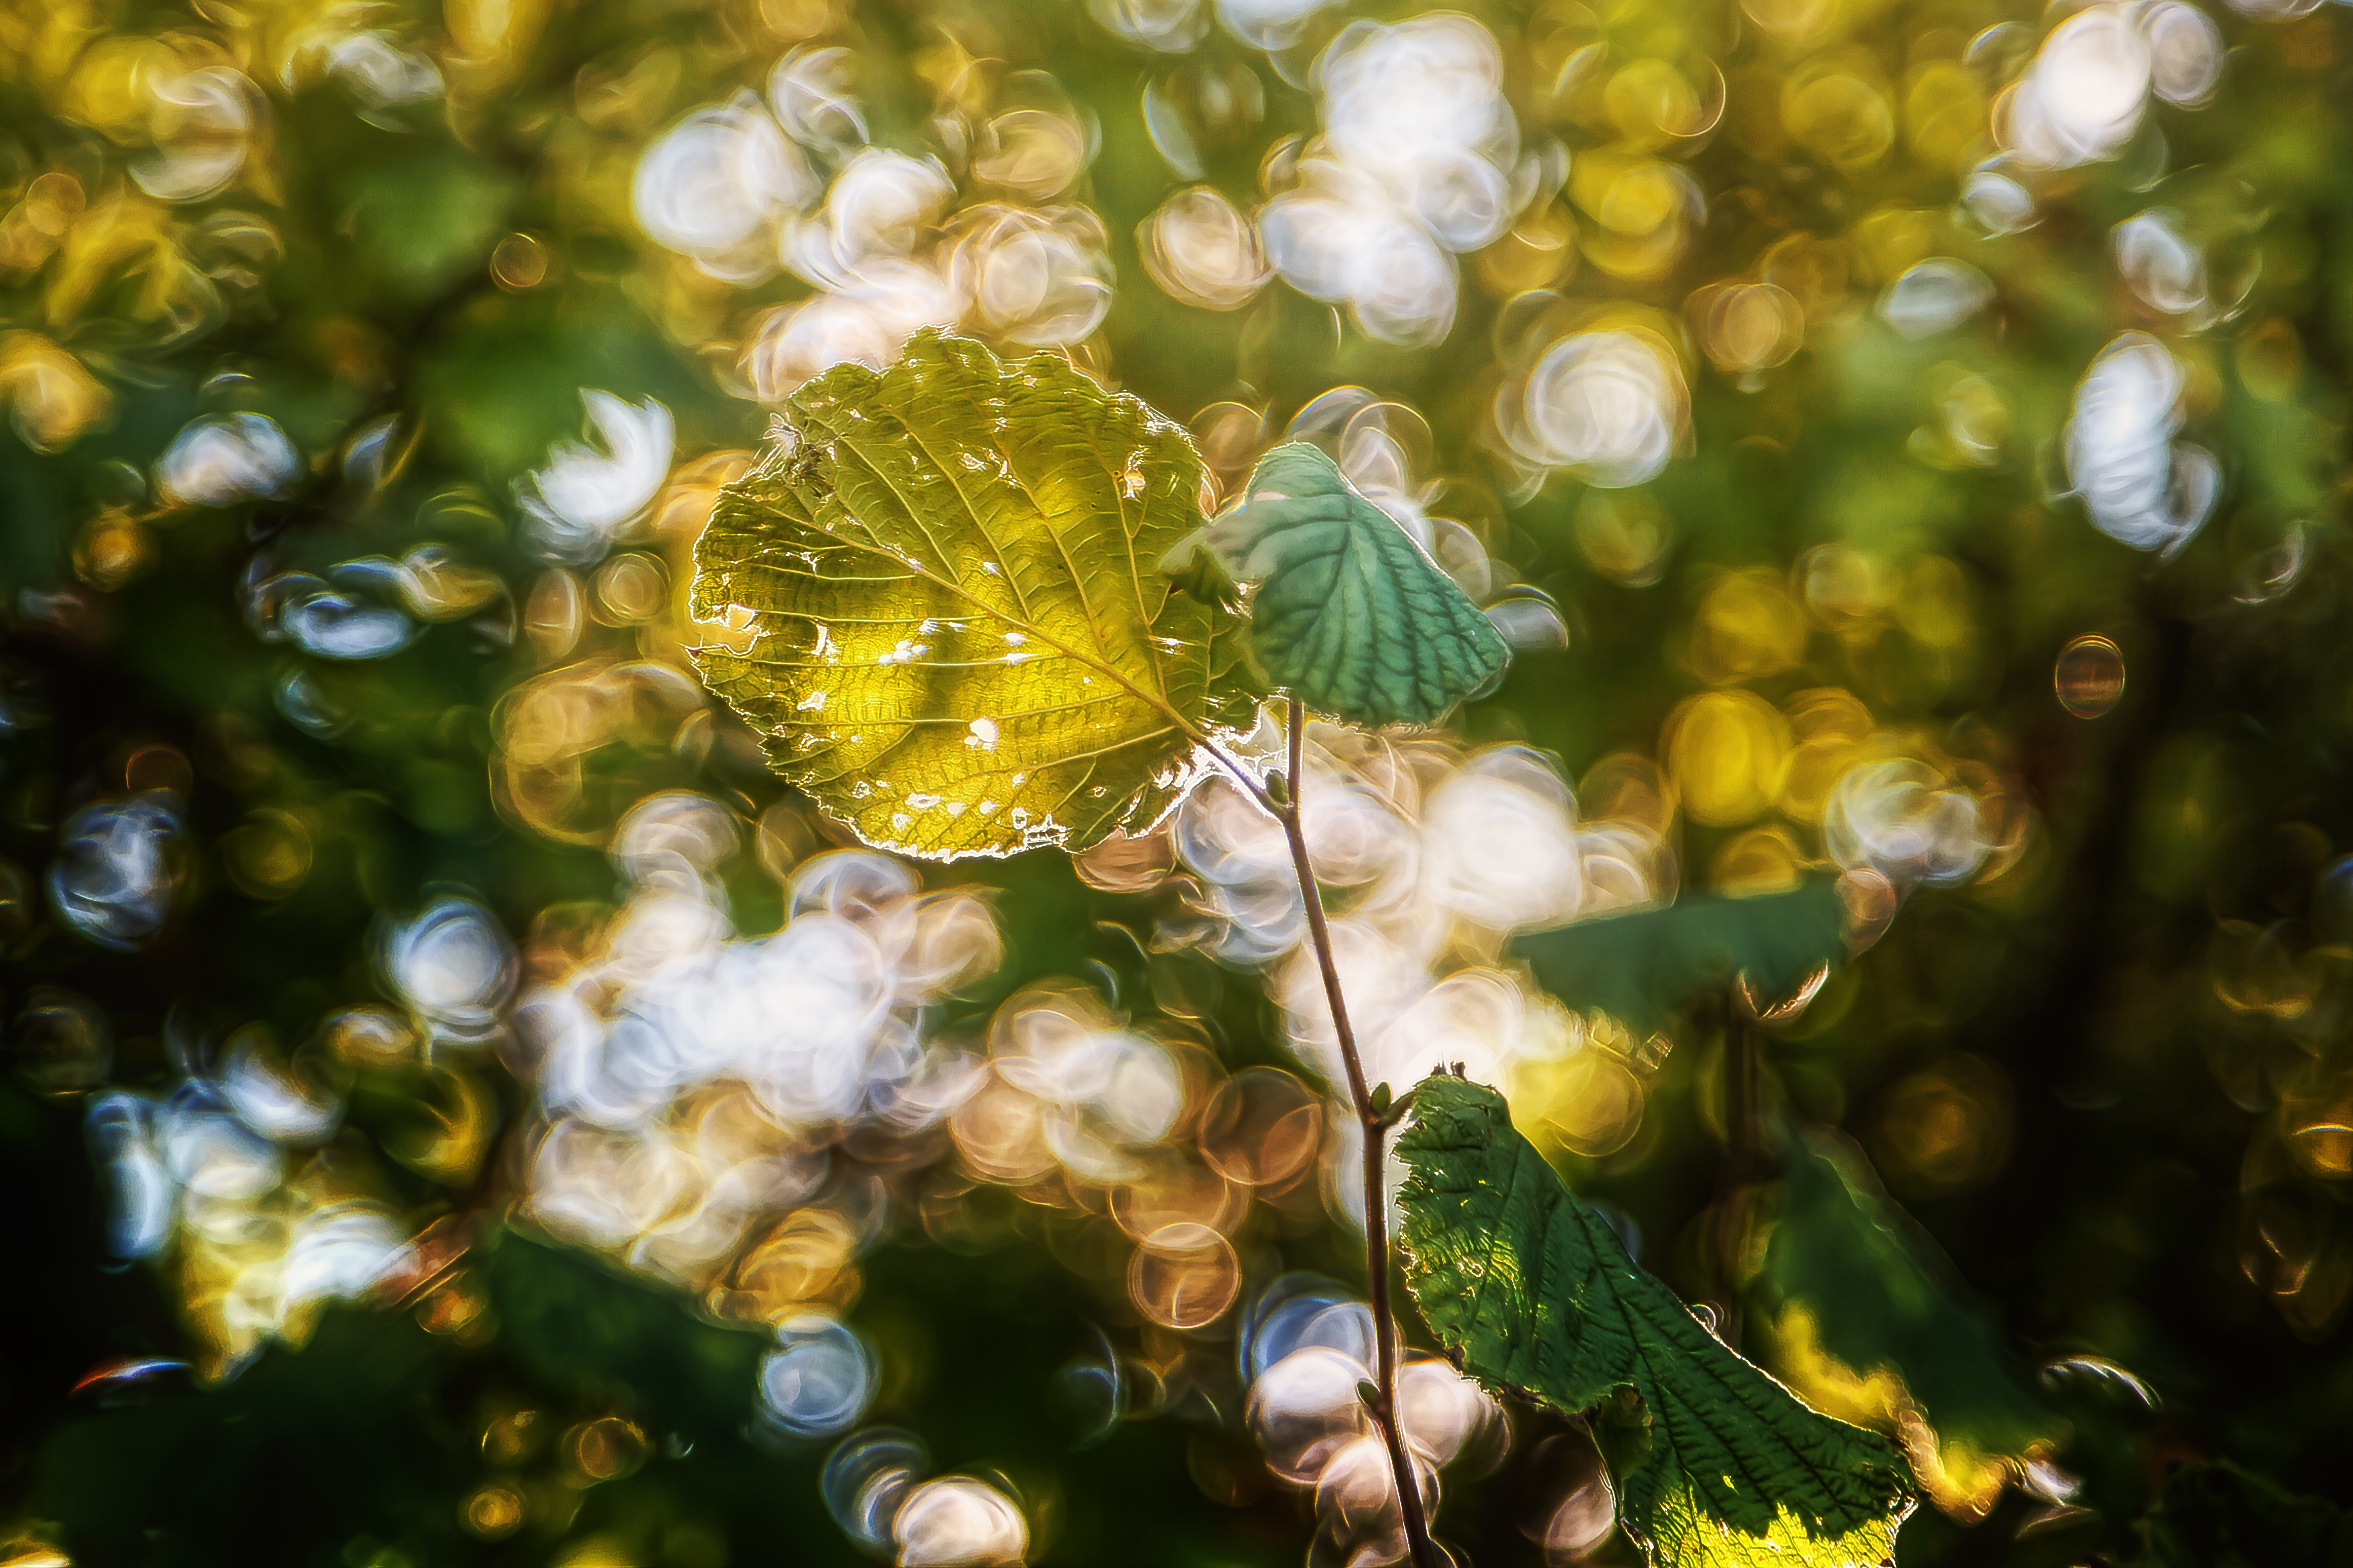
1376, 1217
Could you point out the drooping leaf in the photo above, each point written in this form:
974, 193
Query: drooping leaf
1641, 968
1867, 1319
1348, 612
1531, 1291
951, 632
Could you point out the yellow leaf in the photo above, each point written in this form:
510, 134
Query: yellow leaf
959, 642
1687, 1537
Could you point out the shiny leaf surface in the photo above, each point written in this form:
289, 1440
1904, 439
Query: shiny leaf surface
956, 640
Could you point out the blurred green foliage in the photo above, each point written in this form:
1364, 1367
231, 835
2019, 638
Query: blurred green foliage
2099, 1265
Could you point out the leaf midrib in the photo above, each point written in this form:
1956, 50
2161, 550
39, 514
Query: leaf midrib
867, 765
1028, 623
1665, 1410
980, 526
1651, 1319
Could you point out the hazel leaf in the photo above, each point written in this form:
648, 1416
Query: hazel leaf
1348, 612
1530, 1291
944, 620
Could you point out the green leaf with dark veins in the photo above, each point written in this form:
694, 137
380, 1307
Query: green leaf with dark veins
943, 612
1531, 1292
1348, 612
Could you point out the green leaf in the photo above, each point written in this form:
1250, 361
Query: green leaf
1348, 612
1848, 1275
1643, 968
956, 640
1529, 1290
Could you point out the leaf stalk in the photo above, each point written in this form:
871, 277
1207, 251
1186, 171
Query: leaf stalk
1376, 1122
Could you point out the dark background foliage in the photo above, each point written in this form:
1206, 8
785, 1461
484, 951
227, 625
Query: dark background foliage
2110, 1086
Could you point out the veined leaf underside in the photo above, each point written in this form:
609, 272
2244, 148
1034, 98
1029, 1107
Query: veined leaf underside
958, 642
1347, 612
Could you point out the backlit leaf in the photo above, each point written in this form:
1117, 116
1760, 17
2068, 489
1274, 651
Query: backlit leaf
957, 642
1348, 612
1531, 1291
